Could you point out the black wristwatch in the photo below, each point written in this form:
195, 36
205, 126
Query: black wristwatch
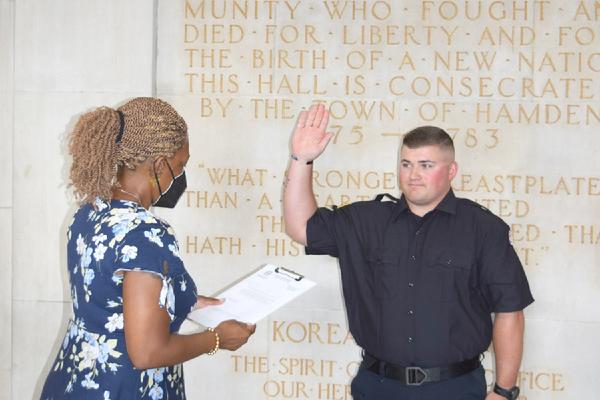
510, 394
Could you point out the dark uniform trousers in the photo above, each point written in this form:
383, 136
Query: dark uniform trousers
368, 385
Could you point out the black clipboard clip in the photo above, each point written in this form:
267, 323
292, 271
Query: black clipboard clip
289, 273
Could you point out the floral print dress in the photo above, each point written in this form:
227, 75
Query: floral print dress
104, 240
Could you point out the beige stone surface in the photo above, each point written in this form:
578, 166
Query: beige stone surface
5, 301
6, 99
41, 147
547, 370
5, 381
516, 86
98, 46
7, 8
6, 151
524, 143
38, 330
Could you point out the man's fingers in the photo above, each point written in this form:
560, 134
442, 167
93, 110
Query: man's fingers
302, 119
325, 119
318, 115
312, 112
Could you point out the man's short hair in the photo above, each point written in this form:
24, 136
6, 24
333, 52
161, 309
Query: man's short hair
428, 136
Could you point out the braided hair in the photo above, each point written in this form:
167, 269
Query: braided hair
151, 128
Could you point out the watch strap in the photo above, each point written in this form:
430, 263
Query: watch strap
510, 394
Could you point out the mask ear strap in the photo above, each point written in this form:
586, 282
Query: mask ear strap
171, 169
156, 178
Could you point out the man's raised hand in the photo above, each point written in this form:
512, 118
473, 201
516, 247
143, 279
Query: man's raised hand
310, 137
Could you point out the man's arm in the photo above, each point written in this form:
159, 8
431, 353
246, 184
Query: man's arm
308, 142
508, 348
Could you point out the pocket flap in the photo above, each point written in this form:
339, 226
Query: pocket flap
451, 258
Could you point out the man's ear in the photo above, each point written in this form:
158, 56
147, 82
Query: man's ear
453, 170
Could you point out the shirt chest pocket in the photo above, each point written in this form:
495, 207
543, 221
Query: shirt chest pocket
448, 273
385, 273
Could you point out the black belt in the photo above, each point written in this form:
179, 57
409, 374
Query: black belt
417, 375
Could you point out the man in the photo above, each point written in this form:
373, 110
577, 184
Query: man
421, 276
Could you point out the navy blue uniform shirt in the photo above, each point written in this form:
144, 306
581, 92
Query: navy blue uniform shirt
421, 291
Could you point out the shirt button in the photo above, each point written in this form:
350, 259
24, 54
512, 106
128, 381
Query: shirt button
418, 232
410, 284
410, 312
410, 339
413, 257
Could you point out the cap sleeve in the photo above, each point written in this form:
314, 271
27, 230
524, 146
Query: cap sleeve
145, 249
503, 279
320, 233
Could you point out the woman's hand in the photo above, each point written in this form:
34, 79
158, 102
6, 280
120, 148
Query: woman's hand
233, 334
204, 301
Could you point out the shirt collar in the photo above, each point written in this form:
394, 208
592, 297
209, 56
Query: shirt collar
447, 205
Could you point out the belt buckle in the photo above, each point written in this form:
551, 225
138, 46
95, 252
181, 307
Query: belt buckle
411, 374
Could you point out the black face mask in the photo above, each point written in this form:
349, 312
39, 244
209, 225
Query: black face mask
171, 196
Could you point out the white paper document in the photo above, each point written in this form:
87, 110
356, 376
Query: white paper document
254, 297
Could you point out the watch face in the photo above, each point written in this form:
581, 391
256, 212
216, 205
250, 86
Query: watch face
515, 393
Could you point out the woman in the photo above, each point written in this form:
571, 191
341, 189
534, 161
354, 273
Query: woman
129, 287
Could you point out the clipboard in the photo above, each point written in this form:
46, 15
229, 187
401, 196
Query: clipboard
254, 297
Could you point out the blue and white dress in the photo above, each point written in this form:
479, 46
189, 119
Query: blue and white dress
104, 241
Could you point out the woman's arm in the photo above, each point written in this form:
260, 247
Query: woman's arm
148, 340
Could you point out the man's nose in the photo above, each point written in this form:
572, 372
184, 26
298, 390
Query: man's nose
414, 174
